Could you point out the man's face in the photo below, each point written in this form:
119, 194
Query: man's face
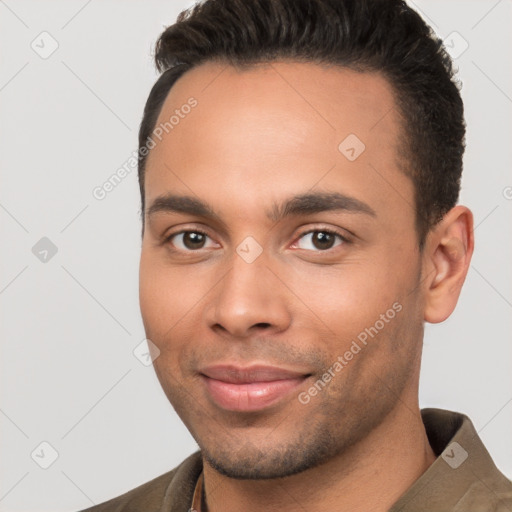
215, 306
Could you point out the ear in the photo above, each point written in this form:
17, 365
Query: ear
447, 255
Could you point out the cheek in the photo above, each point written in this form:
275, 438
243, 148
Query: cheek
351, 296
163, 302
169, 297
159, 290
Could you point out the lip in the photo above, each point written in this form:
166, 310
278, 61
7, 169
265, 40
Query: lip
251, 388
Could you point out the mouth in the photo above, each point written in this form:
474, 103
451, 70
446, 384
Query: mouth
249, 389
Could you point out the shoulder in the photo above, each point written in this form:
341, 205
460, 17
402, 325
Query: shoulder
463, 478
174, 489
148, 496
487, 495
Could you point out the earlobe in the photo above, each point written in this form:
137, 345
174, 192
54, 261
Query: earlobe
449, 250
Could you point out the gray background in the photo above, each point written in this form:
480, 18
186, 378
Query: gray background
69, 325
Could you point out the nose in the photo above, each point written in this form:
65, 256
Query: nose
249, 298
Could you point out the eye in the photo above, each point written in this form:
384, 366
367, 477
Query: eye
189, 240
320, 240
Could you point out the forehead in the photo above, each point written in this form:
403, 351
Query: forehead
272, 127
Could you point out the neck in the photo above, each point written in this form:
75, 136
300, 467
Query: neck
371, 475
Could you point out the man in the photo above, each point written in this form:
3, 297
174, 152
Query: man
300, 163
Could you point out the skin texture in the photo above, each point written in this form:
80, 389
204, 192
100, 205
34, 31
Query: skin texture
259, 136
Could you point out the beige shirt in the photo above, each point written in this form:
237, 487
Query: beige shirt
463, 478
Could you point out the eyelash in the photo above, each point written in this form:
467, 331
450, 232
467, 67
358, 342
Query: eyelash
329, 231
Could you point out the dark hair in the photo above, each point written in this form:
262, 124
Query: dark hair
385, 36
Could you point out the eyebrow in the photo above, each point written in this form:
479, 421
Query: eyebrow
302, 204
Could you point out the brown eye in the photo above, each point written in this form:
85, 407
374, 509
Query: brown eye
323, 240
320, 240
188, 241
193, 240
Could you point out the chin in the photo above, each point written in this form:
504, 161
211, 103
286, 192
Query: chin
247, 462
